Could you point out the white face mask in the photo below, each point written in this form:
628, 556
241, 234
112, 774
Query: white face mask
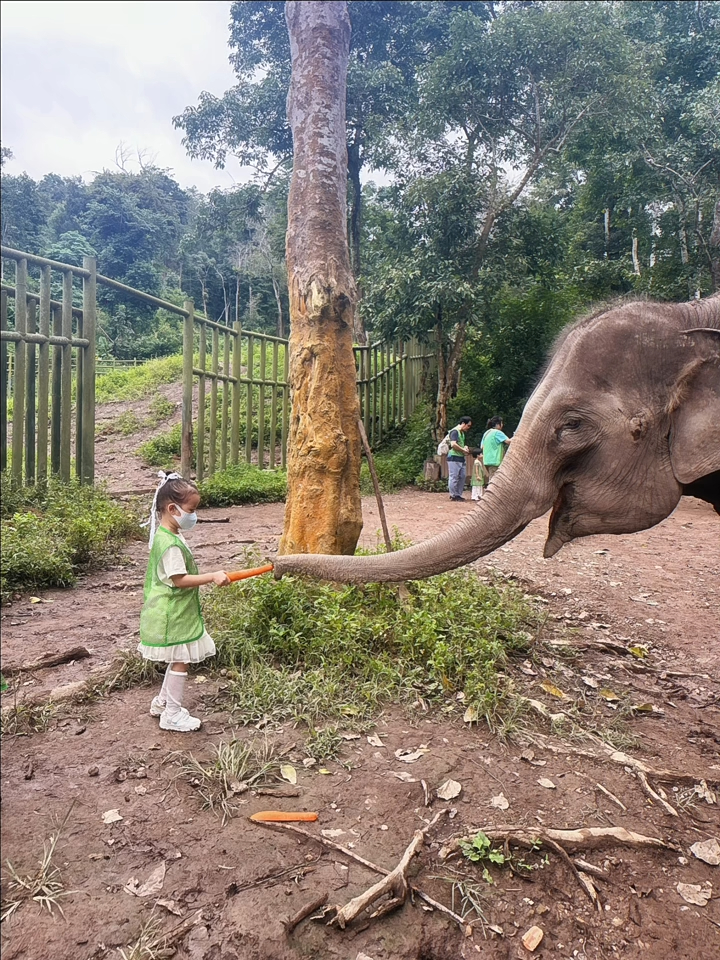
186, 521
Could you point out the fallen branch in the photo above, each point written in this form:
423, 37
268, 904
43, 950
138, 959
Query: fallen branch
305, 912
47, 660
653, 795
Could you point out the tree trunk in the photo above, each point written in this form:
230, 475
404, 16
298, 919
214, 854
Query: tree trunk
323, 511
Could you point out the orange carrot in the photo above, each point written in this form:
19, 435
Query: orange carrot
244, 574
280, 816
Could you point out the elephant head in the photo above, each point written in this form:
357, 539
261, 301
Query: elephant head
625, 420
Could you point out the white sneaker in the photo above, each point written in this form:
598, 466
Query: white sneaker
182, 722
156, 707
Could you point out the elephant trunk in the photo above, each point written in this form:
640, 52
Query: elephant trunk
501, 514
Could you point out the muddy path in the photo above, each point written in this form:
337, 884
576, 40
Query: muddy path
226, 889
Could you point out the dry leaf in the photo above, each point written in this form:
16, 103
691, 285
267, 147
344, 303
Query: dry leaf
309, 762
111, 816
531, 939
39, 600
350, 736
449, 790
548, 784
609, 695
639, 650
553, 690
590, 682
500, 802
201, 679
647, 708
172, 906
703, 791
331, 834
708, 851
410, 756
152, 885
288, 772
375, 741
471, 715
405, 777
324, 771
695, 893
527, 668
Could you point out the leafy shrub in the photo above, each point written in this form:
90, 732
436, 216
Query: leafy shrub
303, 649
399, 460
243, 483
164, 450
134, 383
51, 532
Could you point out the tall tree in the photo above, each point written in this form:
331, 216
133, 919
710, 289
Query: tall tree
323, 511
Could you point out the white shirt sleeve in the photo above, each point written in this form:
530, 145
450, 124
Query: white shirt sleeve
171, 564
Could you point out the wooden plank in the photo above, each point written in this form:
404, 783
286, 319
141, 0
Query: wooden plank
43, 376
79, 390
66, 380
214, 369
18, 438
186, 441
285, 409
261, 405
56, 408
4, 381
235, 401
202, 362
89, 353
273, 409
225, 402
30, 381
249, 410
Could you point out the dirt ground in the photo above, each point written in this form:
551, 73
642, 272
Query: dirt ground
227, 889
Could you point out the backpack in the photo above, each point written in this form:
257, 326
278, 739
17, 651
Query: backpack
444, 447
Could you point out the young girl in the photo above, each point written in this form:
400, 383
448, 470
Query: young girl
479, 477
172, 630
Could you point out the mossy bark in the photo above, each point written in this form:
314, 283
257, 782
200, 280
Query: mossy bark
323, 512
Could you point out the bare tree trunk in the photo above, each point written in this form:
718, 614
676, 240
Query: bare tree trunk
323, 511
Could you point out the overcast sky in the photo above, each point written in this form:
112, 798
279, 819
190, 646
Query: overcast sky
79, 78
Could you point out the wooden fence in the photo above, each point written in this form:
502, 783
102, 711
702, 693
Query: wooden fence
240, 410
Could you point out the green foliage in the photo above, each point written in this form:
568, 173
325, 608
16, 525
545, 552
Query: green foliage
399, 461
243, 483
160, 409
134, 383
302, 649
51, 532
480, 850
164, 450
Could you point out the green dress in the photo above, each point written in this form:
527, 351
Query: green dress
170, 615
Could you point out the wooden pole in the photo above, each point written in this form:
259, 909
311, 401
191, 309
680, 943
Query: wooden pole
56, 411
43, 377
286, 407
214, 368
186, 441
66, 379
249, 410
235, 404
261, 405
3, 382
225, 401
274, 400
30, 437
79, 390
202, 361
18, 438
376, 486
88, 370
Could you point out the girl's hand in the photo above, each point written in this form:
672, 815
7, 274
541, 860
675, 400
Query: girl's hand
221, 579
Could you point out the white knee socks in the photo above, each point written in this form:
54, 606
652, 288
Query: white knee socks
174, 688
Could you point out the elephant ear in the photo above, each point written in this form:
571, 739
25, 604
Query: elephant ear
695, 410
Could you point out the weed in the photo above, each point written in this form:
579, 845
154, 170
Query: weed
324, 744
243, 483
26, 718
299, 649
134, 383
149, 945
129, 670
161, 409
481, 850
163, 451
44, 887
234, 768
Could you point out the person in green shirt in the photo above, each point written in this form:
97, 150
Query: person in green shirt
493, 445
172, 629
456, 459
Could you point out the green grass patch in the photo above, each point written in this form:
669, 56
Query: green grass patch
134, 383
243, 483
399, 460
298, 649
52, 532
164, 450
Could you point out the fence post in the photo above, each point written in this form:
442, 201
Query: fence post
186, 447
56, 412
88, 371
200, 452
66, 379
18, 439
43, 376
235, 406
3, 382
30, 382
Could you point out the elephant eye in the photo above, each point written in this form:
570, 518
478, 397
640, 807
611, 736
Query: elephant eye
571, 423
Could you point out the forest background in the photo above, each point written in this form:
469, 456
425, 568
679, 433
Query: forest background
537, 159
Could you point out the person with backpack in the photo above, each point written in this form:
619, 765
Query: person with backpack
456, 459
493, 445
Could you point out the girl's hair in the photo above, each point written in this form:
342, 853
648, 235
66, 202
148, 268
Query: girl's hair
176, 490
493, 422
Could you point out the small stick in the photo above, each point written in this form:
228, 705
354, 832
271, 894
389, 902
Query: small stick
48, 660
653, 795
305, 912
213, 519
612, 796
376, 485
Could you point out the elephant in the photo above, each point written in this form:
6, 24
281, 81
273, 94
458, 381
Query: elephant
623, 422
